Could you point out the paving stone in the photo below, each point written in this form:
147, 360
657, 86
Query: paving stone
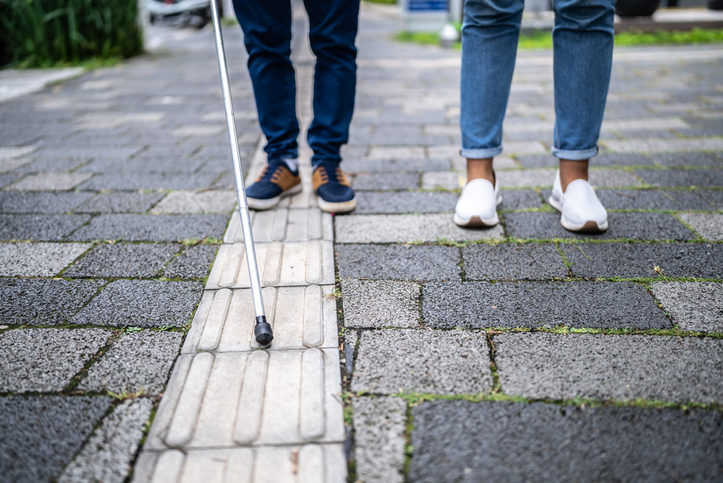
49, 181
439, 362
8, 164
405, 228
398, 262
41, 434
124, 260
144, 164
709, 225
713, 197
512, 262
525, 177
631, 260
6, 179
193, 262
658, 145
405, 202
647, 199
379, 439
43, 202
682, 177
520, 200
618, 367
45, 360
540, 304
38, 259
57, 164
152, 227
153, 181
379, 304
688, 159
505, 441
203, 202
447, 180
637, 226
421, 163
142, 303
136, 362
122, 202
382, 181
43, 302
693, 306
14, 152
108, 454
39, 227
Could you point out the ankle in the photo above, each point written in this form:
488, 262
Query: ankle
572, 170
480, 169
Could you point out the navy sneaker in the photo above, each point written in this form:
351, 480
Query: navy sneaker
275, 182
333, 192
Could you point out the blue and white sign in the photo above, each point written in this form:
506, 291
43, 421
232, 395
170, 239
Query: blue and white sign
424, 15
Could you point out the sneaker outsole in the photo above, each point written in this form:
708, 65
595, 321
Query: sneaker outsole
336, 207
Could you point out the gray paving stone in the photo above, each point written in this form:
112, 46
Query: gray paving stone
618, 367
43, 302
45, 360
192, 202
108, 454
520, 200
50, 202
658, 145
41, 434
380, 424
688, 159
445, 180
193, 262
124, 260
631, 260
709, 225
504, 441
49, 182
379, 304
386, 181
136, 362
637, 226
38, 259
153, 181
431, 361
682, 177
405, 228
6, 179
143, 164
713, 197
512, 262
39, 227
525, 177
8, 164
398, 262
53, 164
405, 202
694, 306
122, 202
655, 199
152, 227
540, 304
386, 165
142, 303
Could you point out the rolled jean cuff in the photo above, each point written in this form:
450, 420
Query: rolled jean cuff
482, 153
575, 154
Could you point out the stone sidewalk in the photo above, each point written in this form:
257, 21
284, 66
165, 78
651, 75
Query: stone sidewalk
513, 353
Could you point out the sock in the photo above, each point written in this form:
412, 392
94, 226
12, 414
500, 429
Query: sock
293, 164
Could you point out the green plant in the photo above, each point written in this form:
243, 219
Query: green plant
44, 33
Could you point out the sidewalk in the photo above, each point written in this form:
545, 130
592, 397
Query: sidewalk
517, 353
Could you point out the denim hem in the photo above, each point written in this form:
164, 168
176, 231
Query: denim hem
575, 154
480, 153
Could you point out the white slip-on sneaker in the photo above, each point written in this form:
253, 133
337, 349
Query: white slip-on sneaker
580, 207
477, 205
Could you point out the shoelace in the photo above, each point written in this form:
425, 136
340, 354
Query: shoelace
339, 176
272, 176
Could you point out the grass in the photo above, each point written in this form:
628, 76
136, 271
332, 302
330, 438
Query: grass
543, 39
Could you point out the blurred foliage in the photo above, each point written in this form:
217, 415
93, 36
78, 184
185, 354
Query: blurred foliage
46, 33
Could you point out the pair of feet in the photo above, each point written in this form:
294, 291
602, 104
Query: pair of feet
579, 206
279, 179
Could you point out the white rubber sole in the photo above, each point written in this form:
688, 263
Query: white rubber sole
589, 226
261, 205
476, 221
338, 207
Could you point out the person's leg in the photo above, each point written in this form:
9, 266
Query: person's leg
267, 36
583, 45
332, 32
490, 33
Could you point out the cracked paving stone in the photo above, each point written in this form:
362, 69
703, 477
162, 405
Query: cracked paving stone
506, 441
398, 262
540, 304
124, 260
142, 303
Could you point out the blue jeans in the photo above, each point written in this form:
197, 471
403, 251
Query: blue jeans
583, 48
267, 36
